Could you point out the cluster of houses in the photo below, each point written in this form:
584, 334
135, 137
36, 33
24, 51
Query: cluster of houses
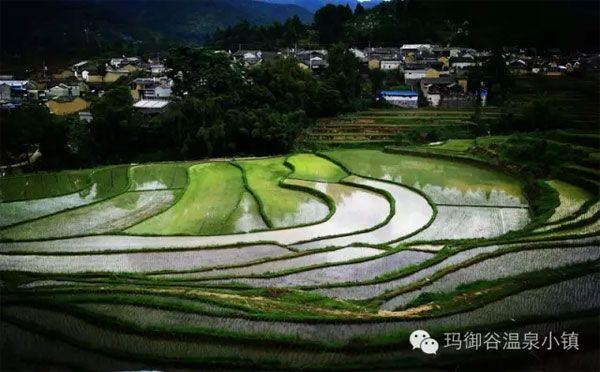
431, 75
439, 74
68, 91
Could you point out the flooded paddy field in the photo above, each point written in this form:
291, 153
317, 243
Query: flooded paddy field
311, 260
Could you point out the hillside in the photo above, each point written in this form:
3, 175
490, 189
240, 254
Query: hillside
314, 5
38, 30
481, 24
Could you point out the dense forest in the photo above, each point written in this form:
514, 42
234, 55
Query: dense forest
464, 23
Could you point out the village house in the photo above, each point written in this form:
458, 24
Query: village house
36, 91
117, 63
414, 73
5, 93
156, 69
438, 89
151, 106
12, 90
462, 62
387, 65
384, 58
63, 74
67, 105
517, 67
64, 90
360, 55
128, 69
93, 72
412, 52
80, 66
462, 77
151, 88
400, 98
248, 57
313, 60
555, 70
86, 116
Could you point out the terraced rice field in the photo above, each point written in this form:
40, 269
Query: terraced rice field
382, 126
103, 183
310, 261
282, 207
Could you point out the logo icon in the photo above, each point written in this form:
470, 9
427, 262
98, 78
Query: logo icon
420, 339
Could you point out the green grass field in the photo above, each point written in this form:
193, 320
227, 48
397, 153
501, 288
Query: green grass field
314, 168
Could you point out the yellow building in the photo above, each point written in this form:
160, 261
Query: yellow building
109, 77
112, 76
303, 66
374, 64
63, 75
95, 79
66, 107
129, 68
432, 73
445, 61
463, 83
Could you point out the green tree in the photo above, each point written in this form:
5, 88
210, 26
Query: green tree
344, 75
115, 128
283, 85
204, 73
359, 10
329, 22
31, 127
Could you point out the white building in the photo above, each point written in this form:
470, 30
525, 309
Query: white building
401, 98
390, 65
64, 90
151, 106
414, 74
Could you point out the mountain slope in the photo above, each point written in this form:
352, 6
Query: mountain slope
196, 19
39, 30
314, 5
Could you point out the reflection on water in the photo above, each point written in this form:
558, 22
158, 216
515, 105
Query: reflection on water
143, 262
106, 183
158, 176
150, 185
110, 215
445, 181
343, 273
14, 212
247, 216
357, 209
412, 212
339, 255
510, 264
282, 206
454, 222
308, 211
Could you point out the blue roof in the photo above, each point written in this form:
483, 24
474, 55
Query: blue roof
399, 93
